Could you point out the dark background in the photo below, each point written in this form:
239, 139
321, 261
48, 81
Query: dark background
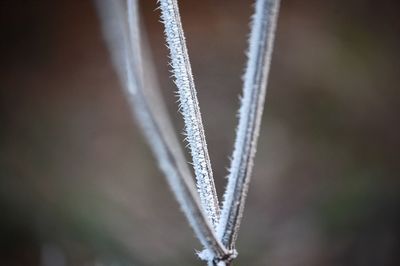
78, 185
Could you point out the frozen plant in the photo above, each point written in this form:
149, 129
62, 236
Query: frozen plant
216, 228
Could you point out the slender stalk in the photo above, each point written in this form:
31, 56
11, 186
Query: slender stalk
122, 33
190, 108
250, 114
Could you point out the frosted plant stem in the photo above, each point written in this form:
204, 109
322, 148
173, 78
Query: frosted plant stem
190, 108
255, 81
122, 33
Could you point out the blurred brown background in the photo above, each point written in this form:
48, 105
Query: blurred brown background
78, 185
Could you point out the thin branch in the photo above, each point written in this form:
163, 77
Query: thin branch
190, 108
122, 34
250, 114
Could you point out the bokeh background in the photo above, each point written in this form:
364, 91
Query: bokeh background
79, 186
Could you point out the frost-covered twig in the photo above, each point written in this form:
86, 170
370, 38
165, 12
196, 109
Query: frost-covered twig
190, 108
122, 33
255, 81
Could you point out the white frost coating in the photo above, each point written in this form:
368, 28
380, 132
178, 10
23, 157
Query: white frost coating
190, 108
134, 35
122, 34
250, 114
